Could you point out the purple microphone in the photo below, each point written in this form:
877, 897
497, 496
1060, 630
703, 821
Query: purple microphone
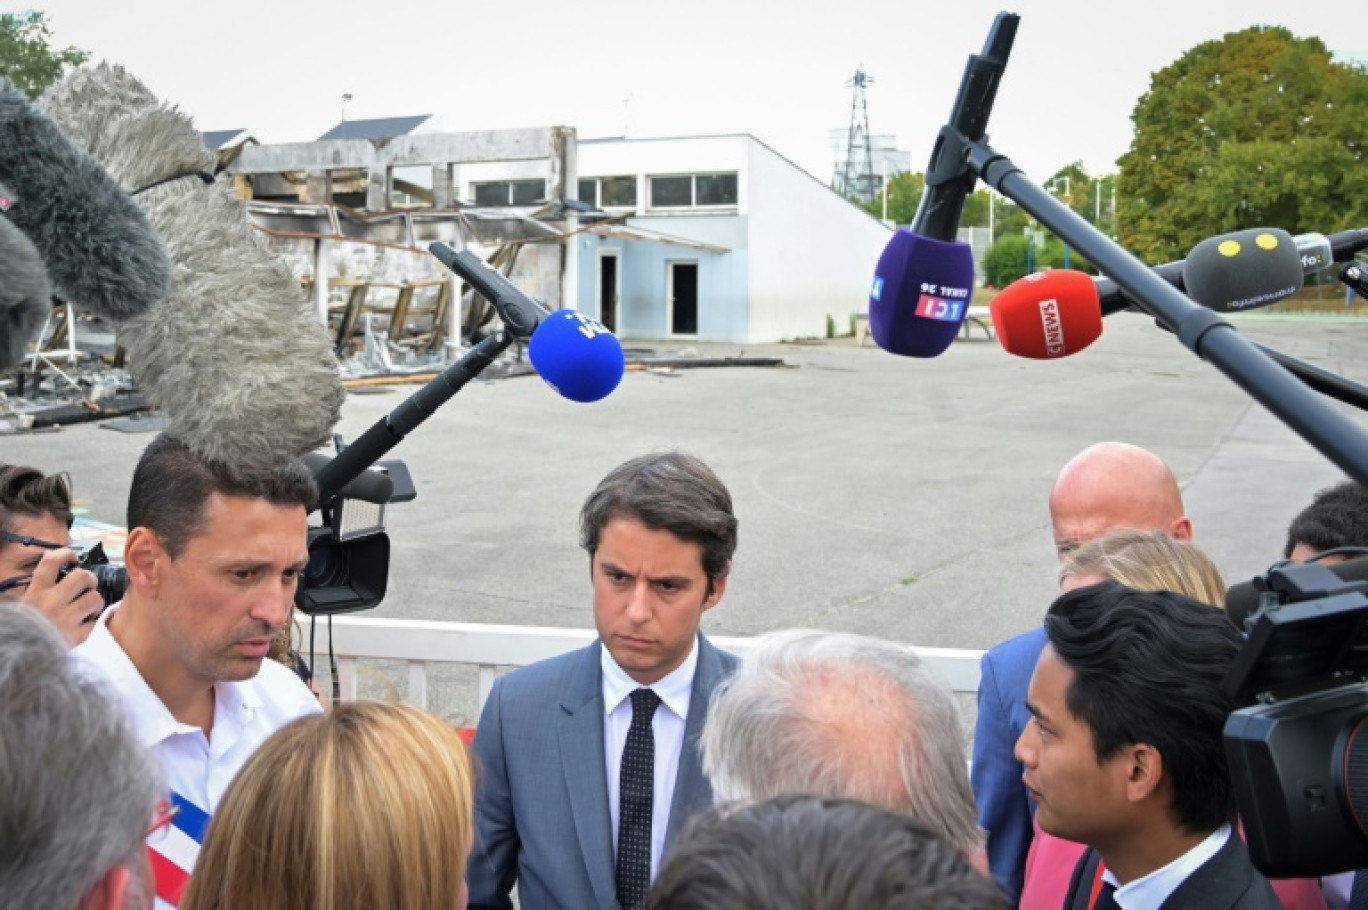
922, 288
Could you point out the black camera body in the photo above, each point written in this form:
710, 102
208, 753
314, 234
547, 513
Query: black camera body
349, 553
1300, 769
1298, 755
344, 575
110, 581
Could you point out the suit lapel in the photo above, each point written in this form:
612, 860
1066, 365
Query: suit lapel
1217, 883
692, 790
580, 732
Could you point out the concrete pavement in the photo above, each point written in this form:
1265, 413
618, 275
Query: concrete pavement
879, 494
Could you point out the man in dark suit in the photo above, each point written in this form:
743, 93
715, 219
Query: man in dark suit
589, 763
1107, 487
1124, 752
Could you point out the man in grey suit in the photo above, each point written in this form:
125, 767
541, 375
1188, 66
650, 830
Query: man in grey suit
588, 763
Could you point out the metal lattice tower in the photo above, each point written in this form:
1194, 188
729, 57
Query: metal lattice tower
857, 178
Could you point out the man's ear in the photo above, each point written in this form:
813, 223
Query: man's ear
144, 559
1144, 773
719, 587
110, 892
1181, 528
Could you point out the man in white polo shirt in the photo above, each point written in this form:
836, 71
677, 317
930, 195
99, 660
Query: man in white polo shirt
213, 560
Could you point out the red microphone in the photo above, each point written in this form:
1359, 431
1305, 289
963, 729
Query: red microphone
1048, 315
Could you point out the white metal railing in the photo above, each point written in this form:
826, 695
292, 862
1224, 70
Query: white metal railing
492, 647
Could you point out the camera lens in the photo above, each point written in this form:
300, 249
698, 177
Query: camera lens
111, 582
327, 566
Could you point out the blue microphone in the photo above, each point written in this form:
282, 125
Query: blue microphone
925, 277
576, 355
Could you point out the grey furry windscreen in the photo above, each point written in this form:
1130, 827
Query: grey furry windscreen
234, 355
100, 251
25, 294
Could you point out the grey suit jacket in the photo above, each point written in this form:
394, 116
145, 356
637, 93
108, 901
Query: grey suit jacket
1227, 881
541, 791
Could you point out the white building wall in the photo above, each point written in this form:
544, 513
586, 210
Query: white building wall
812, 253
647, 157
798, 252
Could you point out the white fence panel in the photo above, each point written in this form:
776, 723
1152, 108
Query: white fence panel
492, 647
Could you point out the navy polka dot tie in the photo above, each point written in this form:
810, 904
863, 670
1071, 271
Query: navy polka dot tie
636, 786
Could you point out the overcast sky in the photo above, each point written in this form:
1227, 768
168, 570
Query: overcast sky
775, 69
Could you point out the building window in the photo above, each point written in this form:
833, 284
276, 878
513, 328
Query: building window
609, 192
509, 192
411, 187
670, 192
693, 191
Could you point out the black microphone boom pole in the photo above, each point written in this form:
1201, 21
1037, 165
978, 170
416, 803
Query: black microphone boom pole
1329, 384
390, 430
1205, 333
948, 178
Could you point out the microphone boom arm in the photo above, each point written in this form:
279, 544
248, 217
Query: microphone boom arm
948, 179
1209, 336
390, 430
520, 313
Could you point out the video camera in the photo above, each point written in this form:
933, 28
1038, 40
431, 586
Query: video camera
1298, 754
349, 552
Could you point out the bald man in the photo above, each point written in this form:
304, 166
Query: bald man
1109, 486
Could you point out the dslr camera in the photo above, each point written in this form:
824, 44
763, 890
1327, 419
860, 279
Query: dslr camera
111, 581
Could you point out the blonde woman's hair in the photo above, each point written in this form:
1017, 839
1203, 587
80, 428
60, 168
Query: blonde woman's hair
1149, 561
368, 806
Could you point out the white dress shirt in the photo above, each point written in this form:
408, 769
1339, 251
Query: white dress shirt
675, 691
197, 767
1336, 889
1150, 892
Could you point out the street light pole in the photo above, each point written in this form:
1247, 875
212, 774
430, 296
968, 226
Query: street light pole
885, 189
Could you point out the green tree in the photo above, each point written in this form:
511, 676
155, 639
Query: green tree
975, 212
1005, 260
1051, 256
1074, 186
904, 195
1008, 218
1260, 128
26, 57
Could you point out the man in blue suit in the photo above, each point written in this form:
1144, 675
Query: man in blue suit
588, 763
1110, 486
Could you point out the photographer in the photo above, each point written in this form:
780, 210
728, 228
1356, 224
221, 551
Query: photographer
35, 515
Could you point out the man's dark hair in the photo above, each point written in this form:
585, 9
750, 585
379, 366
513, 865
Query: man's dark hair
1337, 517
172, 485
1147, 669
666, 492
809, 852
30, 492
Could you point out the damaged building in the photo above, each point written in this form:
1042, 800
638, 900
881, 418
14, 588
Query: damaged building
711, 238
